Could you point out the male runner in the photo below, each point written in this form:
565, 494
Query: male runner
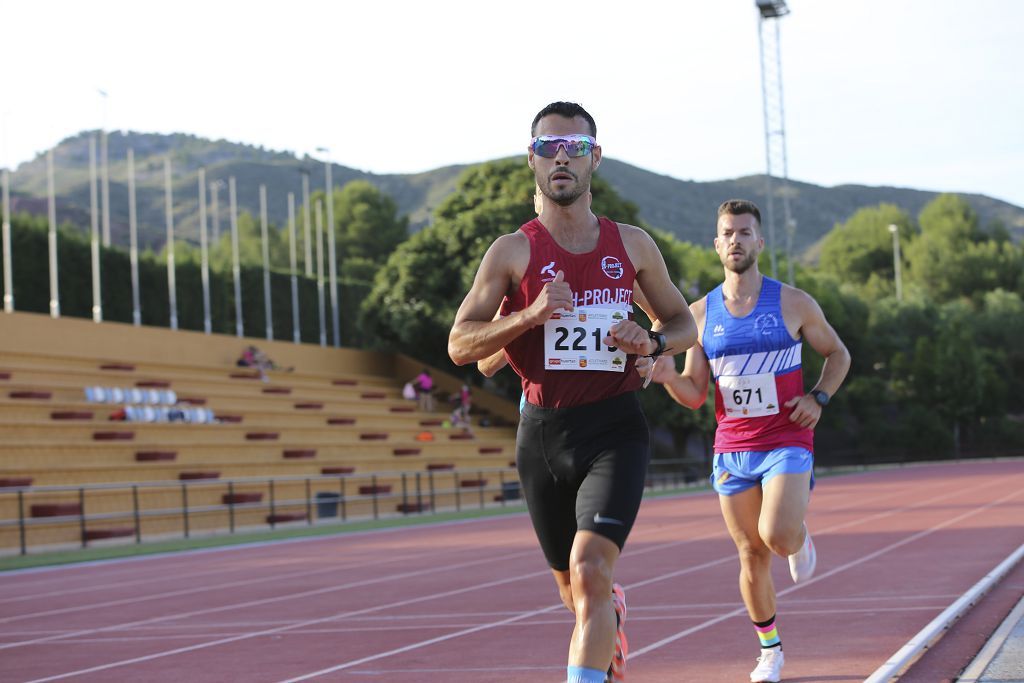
567, 330
751, 329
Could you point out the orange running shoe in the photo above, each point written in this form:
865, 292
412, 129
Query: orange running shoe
617, 671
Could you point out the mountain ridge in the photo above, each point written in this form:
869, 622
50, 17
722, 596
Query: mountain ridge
684, 208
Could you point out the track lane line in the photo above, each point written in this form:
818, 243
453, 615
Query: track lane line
892, 546
663, 577
554, 607
937, 626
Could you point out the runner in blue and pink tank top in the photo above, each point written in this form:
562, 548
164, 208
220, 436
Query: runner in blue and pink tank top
752, 330
756, 365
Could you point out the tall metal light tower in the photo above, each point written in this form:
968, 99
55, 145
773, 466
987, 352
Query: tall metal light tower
774, 125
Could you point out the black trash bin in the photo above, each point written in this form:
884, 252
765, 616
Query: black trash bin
327, 504
510, 490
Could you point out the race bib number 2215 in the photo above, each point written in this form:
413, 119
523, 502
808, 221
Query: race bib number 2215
574, 341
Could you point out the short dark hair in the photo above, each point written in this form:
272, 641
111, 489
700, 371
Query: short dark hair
569, 110
739, 207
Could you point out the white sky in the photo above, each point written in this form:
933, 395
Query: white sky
926, 94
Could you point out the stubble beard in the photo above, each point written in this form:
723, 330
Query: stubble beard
567, 196
742, 266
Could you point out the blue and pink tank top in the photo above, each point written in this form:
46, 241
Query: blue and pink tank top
756, 366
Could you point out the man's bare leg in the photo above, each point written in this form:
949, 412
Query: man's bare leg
590, 575
742, 512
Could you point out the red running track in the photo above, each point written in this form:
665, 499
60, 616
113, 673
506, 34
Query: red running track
474, 601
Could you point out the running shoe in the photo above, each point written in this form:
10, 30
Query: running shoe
803, 561
769, 666
617, 671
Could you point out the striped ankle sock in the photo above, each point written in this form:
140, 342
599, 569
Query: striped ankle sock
767, 633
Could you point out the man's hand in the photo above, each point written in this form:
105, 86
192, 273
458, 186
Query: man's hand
807, 411
659, 370
556, 295
631, 338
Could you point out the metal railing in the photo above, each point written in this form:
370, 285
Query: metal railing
144, 509
49, 516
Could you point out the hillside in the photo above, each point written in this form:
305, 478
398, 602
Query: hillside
684, 208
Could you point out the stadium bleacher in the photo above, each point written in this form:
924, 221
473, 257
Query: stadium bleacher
112, 430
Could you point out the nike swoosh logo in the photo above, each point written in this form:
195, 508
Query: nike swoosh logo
598, 519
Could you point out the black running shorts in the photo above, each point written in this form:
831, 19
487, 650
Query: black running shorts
582, 468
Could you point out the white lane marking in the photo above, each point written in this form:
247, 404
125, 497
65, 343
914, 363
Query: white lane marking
866, 558
937, 626
434, 596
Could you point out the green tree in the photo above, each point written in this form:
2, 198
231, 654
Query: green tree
863, 247
952, 257
250, 246
366, 222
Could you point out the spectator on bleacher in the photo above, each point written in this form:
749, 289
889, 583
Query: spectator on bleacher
252, 357
465, 400
424, 385
462, 401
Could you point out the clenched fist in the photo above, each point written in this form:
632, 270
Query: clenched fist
556, 295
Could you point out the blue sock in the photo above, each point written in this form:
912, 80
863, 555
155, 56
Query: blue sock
581, 674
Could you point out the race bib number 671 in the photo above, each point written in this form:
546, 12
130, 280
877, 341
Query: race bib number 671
749, 395
574, 341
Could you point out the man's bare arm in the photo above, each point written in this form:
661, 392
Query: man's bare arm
666, 303
489, 366
476, 334
689, 388
823, 339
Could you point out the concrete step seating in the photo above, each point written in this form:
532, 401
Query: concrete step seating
340, 412
55, 433
236, 412
72, 463
25, 395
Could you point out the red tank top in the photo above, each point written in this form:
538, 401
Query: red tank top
602, 278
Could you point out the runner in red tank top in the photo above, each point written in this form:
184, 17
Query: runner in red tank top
763, 468
570, 281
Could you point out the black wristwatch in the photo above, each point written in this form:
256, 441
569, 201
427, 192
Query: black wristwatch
658, 339
821, 397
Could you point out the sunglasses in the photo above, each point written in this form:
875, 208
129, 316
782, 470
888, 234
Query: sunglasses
574, 145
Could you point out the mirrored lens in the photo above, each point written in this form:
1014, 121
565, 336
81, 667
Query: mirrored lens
574, 145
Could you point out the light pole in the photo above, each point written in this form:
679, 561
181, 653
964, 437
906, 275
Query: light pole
204, 252
268, 313
296, 335
172, 289
52, 215
214, 210
770, 11
320, 271
133, 241
307, 221
5, 190
895, 230
104, 171
332, 253
236, 267
97, 304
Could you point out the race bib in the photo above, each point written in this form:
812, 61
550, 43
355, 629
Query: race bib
573, 341
749, 395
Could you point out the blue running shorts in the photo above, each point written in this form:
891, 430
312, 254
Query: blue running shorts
736, 472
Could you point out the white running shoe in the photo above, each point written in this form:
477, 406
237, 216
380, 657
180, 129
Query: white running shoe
803, 561
769, 666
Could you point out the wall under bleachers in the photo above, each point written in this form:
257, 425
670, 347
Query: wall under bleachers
335, 423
